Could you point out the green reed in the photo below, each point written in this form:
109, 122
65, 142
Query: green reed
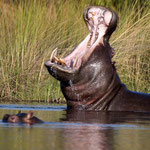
30, 30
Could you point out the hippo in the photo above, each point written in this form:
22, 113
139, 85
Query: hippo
21, 118
88, 77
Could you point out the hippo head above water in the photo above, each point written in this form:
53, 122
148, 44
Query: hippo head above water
87, 75
21, 118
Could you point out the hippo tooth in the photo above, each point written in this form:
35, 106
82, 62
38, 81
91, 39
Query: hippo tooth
96, 36
89, 42
54, 53
75, 62
56, 59
53, 58
62, 62
59, 61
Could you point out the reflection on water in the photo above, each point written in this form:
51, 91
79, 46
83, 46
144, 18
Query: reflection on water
72, 130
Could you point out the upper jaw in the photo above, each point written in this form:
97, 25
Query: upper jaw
101, 23
97, 16
100, 20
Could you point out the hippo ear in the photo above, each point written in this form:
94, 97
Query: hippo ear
19, 112
29, 115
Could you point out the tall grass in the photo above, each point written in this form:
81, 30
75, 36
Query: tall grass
132, 44
30, 30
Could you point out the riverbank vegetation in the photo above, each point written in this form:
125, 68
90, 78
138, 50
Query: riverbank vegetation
30, 30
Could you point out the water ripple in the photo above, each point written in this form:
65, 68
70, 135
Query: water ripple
69, 125
32, 107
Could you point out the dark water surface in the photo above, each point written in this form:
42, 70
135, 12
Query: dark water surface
67, 130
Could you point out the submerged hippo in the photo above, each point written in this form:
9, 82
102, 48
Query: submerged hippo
88, 77
21, 118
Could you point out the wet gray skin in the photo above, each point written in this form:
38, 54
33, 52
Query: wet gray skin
87, 75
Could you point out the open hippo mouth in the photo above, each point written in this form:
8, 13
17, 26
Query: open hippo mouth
88, 77
101, 22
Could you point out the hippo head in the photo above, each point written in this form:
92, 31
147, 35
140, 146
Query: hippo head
100, 21
21, 118
87, 72
11, 118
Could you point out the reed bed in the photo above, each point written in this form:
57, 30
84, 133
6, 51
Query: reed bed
30, 30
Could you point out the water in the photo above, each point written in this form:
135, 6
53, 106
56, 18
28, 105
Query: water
68, 130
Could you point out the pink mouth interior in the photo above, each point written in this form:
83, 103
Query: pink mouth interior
97, 22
